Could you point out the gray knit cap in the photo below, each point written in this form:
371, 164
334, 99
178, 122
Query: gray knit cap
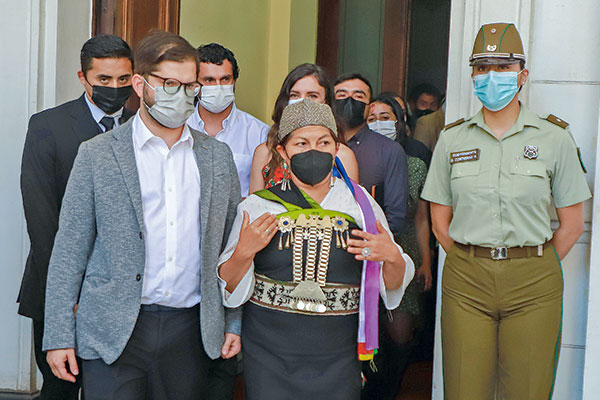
305, 113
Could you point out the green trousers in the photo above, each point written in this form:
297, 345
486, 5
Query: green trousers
501, 326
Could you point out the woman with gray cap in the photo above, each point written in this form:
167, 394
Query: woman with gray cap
310, 258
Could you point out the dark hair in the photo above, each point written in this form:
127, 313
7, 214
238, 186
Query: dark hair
103, 46
214, 53
160, 46
401, 127
301, 71
427, 89
354, 75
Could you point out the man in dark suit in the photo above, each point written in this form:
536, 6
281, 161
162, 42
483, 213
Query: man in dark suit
51, 144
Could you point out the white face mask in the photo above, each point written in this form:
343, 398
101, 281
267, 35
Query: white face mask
170, 110
294, 101
216, 98
385, 128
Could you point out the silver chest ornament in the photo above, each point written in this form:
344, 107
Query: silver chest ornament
317, 232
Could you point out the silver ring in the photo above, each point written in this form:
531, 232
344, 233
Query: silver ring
268, 231
366, 252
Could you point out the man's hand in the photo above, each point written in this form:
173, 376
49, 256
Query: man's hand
232, 345
63, 364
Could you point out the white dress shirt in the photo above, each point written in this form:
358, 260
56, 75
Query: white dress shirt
170, 188
339, 198
98, 114
243, 133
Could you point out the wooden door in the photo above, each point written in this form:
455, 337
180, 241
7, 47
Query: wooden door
132, 20
374, 40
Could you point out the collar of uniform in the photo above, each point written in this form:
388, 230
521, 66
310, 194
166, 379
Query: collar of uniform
141, 133
526, 118
98, 114
198, 124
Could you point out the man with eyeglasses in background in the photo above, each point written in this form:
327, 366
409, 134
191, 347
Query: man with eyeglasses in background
217, 115
138, 247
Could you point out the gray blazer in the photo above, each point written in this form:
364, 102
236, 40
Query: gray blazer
98, 257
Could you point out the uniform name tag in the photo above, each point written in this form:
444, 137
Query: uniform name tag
462, 156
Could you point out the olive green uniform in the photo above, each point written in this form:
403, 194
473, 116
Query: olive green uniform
501, 319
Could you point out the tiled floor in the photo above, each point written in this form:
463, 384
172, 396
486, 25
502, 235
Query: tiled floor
416, 384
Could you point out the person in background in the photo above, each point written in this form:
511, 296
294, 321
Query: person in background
217, 115
142, 223
382, 164
387, 118
429, 127
424, 99
306, 81
492, 183
405, 109
51, 144
302, 317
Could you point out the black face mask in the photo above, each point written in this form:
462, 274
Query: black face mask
110, 99
350, 112
422, 113
312, 166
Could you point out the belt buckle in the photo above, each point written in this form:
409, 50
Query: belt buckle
499, 253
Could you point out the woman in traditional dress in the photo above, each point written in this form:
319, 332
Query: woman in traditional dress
312, 256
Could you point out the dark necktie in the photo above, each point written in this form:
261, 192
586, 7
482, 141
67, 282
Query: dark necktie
108, 123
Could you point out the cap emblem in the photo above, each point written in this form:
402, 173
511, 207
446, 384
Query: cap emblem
491, 47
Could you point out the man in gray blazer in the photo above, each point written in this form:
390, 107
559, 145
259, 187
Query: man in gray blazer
146, 212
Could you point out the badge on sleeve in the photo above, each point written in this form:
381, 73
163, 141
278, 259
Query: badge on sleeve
530, 152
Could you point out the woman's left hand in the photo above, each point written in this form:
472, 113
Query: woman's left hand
378, 247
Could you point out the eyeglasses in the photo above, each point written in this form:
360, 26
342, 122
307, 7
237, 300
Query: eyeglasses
172, 85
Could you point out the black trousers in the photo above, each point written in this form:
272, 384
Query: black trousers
164, 359
52, 387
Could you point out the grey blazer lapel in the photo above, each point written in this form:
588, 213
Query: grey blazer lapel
123, 149
204, 159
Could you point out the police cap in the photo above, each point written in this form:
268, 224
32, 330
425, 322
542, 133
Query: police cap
497, 43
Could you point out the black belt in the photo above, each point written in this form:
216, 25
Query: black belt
503, 253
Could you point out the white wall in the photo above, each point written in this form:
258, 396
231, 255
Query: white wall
38, 57
561, 44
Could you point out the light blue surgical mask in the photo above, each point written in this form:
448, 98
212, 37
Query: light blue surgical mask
496, 89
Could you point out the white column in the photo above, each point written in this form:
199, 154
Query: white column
560, 42
591, 383
31, 71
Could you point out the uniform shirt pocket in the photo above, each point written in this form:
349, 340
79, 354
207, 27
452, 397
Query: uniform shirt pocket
530, 183
465, 181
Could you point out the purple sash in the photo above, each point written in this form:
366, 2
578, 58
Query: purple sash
368, 327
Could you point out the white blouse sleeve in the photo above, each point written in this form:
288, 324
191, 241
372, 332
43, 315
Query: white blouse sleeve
244, 289
391, 298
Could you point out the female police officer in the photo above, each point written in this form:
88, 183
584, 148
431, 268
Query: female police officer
491, 181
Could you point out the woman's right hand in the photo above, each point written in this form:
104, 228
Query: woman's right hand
257, 235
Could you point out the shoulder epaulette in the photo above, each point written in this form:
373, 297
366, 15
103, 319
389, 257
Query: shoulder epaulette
557, 121
455, 123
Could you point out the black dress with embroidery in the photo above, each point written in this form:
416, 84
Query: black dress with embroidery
295, 356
